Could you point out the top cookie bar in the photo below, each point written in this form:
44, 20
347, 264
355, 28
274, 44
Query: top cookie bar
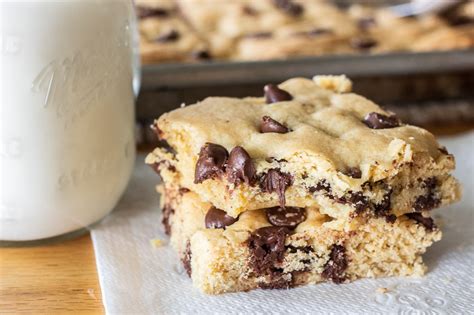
305, 143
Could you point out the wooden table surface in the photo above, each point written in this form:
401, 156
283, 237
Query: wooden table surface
62, 278
50, 279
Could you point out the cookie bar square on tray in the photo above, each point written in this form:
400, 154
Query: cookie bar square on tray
281, 248
306, 143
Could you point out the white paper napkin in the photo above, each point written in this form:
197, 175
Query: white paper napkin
135, 277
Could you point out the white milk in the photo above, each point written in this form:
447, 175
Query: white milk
67, 145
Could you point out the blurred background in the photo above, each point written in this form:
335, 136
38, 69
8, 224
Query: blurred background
415, 58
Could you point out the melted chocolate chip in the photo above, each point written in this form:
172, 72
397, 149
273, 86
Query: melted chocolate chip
306, 249
145, 12
460, 20
366, 23
169, 36
276, 181
218, 219
353, 172
240, 167
289, 7
183, 190
363, 43
258, 35
270, 125
391, 218
429, 200
267, 247
358, 200
248, 10
276, 283
430, 183
186, 260
167, 213
425, 203
380, 121
427, 222
166, 146
443, 150
288, 216
201, 55
382, 209
322, 185
336, 266
314, 32
274, 94
210, 163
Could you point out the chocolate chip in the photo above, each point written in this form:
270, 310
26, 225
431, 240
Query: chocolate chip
366, 23
270, 125
288, 216
382, 209
183, 190
353, 172
276, 283
391, 218
167, 213
248, 10
240, 167
274, 159
186, 260
336, 266
363, 43
380, 121
210, 163
429, 200
169, 36
267, 247
276, 181
443, 150
258, 35
145, 12
304, 249
322, 185
274, 94
426, 203
166, 146
430, 183
427, 222
314, 32
201, 55
218, 219
358, 200
461, 20
289, 7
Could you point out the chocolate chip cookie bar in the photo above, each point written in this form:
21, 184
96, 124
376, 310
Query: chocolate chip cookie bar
165, 36
278, 247
185, 30
305, 143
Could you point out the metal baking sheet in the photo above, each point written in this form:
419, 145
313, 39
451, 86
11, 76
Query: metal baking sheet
422, 88
218, 73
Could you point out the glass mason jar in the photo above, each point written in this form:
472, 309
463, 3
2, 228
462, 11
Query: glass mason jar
67, 114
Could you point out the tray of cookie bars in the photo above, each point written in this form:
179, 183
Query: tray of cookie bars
415, 66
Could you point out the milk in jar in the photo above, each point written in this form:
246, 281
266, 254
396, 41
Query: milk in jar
67, 115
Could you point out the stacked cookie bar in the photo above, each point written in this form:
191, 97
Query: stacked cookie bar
308, 183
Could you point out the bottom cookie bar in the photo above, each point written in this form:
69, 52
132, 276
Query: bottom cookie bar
275, 248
